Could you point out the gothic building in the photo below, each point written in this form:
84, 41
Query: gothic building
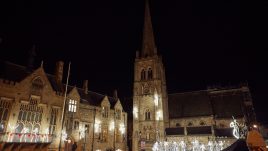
31, 113
157, 116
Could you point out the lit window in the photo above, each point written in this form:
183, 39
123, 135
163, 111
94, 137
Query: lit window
105, 112
72, 105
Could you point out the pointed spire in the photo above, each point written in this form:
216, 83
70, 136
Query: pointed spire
148, 43
42, 62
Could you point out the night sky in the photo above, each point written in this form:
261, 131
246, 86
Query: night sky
203, 43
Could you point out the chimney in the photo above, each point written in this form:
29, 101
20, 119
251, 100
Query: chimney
59, 71
85, 86
115, 94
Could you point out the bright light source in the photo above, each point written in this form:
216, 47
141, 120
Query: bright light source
135, 112
156, 99
122, 128
97, 126
255, 126
111, 127
158, 115
266, 146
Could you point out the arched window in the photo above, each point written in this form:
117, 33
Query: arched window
150, 73
28, 128
147, 136
147, 115
190, 124
36, 128
202, 123
143, 74
19, 128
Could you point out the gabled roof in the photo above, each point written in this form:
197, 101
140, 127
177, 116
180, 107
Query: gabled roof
222, 104
189, 104
17, 73
94, 98
13, 72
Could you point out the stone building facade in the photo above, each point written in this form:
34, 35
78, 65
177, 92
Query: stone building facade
31, 109
203, 115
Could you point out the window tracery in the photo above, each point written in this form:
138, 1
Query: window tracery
4, 110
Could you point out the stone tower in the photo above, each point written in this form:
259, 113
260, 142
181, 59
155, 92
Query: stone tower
150, 111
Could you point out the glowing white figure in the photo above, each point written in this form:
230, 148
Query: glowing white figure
12, 130
182, 146
202, 147
235, 127
221, 145
45, 139
24, 131
210, 145
34, 136
155, 146
195, 145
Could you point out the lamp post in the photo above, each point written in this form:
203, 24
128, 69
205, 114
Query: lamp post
93, 139
114, 128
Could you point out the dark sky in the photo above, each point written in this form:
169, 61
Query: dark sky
203, 42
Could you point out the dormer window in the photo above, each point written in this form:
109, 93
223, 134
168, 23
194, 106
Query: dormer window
72, 105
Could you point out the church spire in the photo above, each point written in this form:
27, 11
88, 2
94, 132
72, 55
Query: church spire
148, 44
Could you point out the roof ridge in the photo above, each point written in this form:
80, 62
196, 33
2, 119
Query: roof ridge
12, 63
188, 92
93, 92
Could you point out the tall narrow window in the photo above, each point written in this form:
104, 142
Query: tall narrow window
53, 120
147, 115
118, 114
147, 136
105, 111
4, 110
143, 74
72, 105
150, 73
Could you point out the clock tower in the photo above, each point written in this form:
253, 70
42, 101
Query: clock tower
150, 106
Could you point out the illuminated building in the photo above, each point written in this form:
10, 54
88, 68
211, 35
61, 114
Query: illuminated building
204, 115
31, 103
